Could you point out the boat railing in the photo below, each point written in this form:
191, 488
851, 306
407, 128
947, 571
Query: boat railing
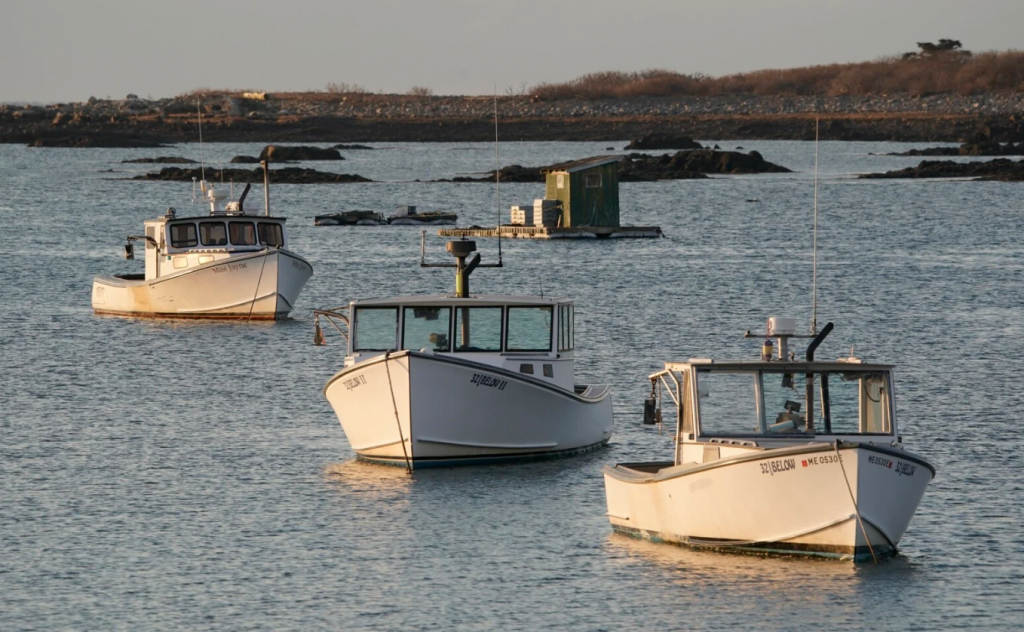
336, 319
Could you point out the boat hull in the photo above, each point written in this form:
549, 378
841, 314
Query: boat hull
446, 411
260, 286
796, 501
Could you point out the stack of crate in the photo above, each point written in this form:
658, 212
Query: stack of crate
522, 215
545, 212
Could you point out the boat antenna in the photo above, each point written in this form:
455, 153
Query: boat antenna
814, 247
202, 163
266, 186
497, 173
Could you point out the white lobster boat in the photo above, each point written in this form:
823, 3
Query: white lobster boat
224, 265
460, 379
752, 473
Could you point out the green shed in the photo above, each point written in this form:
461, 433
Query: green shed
588, 190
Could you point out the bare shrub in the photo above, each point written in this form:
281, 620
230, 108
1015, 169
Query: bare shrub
345, 88
421, 91
952, 71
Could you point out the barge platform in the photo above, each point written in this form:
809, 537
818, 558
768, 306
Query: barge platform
509, 231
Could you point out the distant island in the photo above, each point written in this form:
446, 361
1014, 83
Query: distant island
940, 93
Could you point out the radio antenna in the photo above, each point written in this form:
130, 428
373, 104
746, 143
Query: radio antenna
202, 163
497, 172
814, 247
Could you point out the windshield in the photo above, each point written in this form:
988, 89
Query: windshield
375, 328
529, 329
776, 402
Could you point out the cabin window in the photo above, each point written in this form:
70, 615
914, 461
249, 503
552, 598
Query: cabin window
180, 262
727, 403
526, 368
213, 234
271, 234
478, 329
205, 259
785, 402
426, 328
242, 233
529, 329
375, 328
565, 317
183, 236
549, 370
846, 403
593, 180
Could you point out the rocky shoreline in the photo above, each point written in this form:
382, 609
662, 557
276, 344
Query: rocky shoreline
324, 117
1000, 169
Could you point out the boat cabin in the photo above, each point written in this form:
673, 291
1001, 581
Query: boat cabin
725, 406
531, 335
176, 244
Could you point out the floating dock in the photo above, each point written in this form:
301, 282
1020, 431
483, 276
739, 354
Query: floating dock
509, 231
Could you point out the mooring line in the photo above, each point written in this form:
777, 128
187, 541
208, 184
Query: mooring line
391, 387
258, 282
856, 510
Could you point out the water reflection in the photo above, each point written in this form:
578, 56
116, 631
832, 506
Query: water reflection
370, 482
836, 591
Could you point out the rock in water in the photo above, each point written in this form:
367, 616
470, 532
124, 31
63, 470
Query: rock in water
287, 175
167, 160
279, 153
664, 141
999, 169
693, 164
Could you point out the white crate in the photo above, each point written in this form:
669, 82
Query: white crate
522, 215
543, 204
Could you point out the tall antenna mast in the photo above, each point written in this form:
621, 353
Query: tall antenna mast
497, 172
202, 163
814, 248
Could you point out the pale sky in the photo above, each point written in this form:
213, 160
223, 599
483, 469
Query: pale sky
69, 50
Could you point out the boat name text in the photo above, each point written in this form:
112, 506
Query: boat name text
778, 466
901, 468
905, 469
354, 382
487, 380
230, 267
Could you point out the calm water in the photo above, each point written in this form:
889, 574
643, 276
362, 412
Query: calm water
166, 475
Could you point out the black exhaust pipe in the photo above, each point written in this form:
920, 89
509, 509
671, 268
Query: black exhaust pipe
825, 331
809, 381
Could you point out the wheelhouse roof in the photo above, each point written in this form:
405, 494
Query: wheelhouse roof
220, 216
832, 366
580, 165
451, 299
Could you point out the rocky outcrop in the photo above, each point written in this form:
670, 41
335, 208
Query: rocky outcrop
245, 160
344, 146
287, 175
160, 160
663, 141
280, 153
322, 117
683, 165
982, 148
1000, 169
